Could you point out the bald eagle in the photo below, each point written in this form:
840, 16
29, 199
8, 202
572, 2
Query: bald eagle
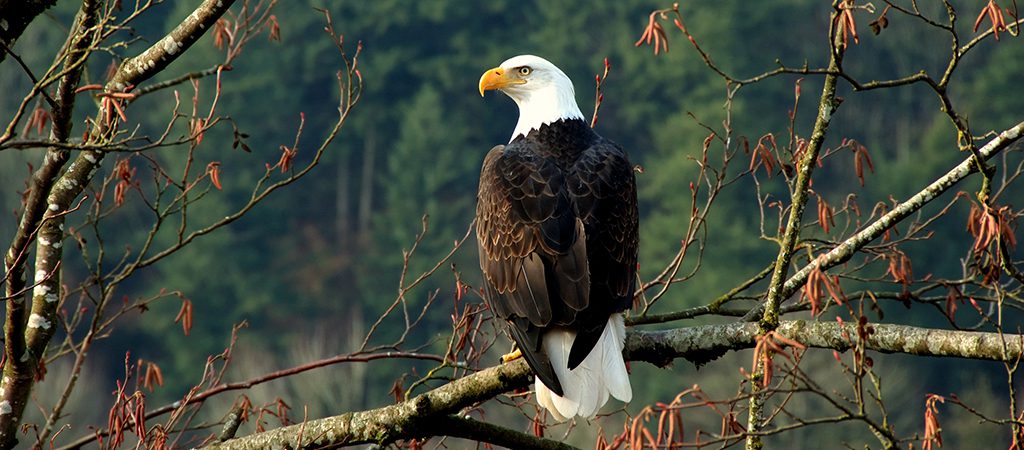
557, 233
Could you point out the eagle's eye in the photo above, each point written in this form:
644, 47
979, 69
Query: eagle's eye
525, 70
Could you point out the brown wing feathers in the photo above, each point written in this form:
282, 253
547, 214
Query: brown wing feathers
557, 244
603, 193
531, 244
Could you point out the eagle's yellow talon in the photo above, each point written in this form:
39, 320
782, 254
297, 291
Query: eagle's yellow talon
509, 357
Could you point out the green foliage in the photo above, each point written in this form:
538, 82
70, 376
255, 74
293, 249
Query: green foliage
332, 247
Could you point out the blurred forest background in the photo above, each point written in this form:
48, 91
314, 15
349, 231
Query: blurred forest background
310, 269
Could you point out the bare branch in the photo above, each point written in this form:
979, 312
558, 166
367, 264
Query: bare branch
826, 108
703, 343
411, 418
849, 247
19, 370
466, 428
408, 419
247, 384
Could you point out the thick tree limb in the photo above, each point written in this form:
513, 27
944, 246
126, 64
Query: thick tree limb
42, 321
705, 343
161, 54
408, 419
418, 416
466, 428
19, 372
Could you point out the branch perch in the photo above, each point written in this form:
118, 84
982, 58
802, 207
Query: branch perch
705, 343
419, 416
408, 419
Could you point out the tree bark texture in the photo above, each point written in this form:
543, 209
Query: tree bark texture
424, 415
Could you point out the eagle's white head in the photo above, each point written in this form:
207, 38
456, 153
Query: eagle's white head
542, 91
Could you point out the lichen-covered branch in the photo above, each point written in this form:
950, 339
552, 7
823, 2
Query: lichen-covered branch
844, 251
702, 344
827, 106
466, 428
18, 372
408, 419
59, 197
427, 414
161, 54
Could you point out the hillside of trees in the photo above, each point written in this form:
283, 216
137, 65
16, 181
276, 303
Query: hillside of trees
311, 268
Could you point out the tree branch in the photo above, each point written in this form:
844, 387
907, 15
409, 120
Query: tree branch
390, 423
466, 428
19, 371
704, 343
827, 106
843, 252
247, 384
419, 416
41, 325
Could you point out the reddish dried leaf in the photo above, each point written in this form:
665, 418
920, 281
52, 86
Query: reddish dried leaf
119, 192
275, 28
123, 170
860, 159
650, 439
812, 289
764, 154
287, 156
846, 24
768, 345
932, 429
213, 170
826, 215
37, 121
654, 31
994, 15
900, 267
990, 225
832, 286
221, 35
89, 87
107, 109
282, 411
953, 297
153, 377
117, 107
397, 391
198, 128
537, 425
185, 316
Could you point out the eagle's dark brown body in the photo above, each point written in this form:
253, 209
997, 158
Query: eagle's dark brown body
557, 231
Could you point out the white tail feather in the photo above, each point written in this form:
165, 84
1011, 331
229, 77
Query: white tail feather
588, 386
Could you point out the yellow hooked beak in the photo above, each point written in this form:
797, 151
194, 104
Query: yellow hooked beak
497, 78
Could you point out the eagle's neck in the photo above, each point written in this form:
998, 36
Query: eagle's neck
545, 106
